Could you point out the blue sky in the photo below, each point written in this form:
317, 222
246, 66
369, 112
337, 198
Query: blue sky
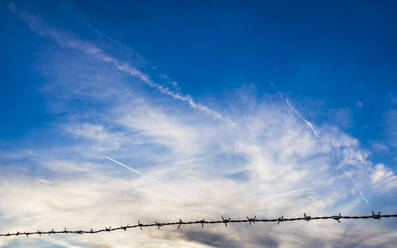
282, 101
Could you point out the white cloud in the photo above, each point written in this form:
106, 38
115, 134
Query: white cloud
105, 140
382, 178
282, 161
379, 147
263, 162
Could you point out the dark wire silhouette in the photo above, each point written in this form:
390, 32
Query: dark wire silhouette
202, 222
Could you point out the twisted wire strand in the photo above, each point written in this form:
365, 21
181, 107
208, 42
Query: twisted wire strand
202, 222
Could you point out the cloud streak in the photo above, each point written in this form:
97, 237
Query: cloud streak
356, 186
139, 173
307, 123
268, 164
316, 133
65, 39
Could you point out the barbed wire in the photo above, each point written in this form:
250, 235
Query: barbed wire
202, 222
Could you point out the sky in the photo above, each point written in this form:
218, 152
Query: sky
219, 108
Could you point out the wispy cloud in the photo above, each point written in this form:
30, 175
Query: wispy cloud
316, 133
139, 173
382, 178
268, 163
356, 186
65, 39
307, 123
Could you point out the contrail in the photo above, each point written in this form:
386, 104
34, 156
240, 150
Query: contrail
308, 123
153, 180
125, 166
65, 39
139, 173
356, 186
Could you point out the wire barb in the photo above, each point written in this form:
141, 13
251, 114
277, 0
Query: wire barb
251, 220
225, 221
337, 217
307, 217
180, 223
376, 216
280, 220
